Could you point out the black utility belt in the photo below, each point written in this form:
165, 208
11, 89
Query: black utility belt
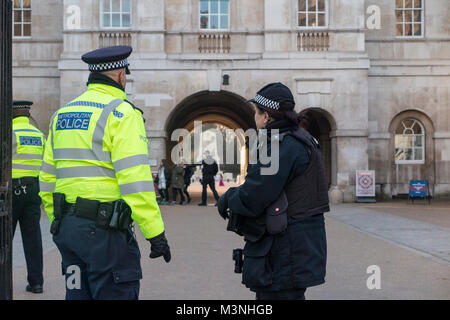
107, 215
24, 181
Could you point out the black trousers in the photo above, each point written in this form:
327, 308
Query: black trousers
164, 194
98, 264
209, 181
176, 191
185, 191
27, 212
292, 294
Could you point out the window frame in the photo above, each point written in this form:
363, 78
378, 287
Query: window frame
403, 23
102, 13
209, 15
327, 15
22, 23
423, 147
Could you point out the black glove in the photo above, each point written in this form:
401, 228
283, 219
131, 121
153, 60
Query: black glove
160, 247
222, 206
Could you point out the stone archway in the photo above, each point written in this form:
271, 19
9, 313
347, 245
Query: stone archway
223, 107
402, 173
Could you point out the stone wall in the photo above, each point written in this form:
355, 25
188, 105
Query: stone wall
410, 77
361, 81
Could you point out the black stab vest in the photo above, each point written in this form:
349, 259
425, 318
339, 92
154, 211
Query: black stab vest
307, 193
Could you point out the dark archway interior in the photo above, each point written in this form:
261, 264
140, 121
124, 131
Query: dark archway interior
207, 103
222, 107
320, 128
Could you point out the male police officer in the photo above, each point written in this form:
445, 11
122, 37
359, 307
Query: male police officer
95, 175
27, 153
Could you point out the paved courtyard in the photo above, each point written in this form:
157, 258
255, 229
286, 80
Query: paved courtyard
410, 244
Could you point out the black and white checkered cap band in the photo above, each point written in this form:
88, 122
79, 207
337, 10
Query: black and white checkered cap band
267, 102
21, 106
108, 66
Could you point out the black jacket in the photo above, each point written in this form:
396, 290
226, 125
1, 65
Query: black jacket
209, 169
188, 173
295, 258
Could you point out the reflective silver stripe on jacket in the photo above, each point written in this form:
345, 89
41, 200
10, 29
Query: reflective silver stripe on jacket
25, 167
46, 186
137, 187
131, 162
27, 156
81, 172
48, 168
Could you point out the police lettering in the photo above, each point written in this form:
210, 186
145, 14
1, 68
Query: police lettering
30, 141
73, 121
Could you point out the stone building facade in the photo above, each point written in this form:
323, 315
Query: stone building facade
374, 73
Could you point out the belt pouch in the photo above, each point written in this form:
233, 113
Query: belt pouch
125, 215
85, 208
104, 214
59, 205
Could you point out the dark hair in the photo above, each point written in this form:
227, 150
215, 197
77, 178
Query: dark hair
289, 115
304, 120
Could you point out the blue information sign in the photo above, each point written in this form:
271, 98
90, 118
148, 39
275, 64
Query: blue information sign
418, 189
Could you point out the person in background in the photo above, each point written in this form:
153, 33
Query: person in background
188, 173
221, 184
27, 152
178, 183
209, 170
161, 180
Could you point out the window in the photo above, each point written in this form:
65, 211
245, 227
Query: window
115, 13
312, 13
214, 14
409, 18
22, 18
410, 142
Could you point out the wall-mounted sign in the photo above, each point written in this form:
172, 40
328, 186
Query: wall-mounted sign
365, 183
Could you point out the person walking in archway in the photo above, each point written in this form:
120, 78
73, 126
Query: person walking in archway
188, 173
209, 170
163, 182
178, 183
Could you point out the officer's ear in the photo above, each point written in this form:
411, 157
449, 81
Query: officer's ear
123, 78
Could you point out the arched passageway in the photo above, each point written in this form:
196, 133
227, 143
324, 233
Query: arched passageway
220, 108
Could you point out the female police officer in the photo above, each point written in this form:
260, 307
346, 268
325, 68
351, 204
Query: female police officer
289, 254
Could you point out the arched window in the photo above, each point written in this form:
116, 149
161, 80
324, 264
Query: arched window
410, 142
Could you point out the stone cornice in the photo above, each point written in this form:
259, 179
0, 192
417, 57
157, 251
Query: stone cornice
349, 133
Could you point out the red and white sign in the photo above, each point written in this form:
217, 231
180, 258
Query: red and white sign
365, 183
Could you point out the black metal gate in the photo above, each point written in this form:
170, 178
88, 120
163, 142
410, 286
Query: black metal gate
5, 149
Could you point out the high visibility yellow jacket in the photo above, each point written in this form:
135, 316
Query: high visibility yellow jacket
27, 149
97, 149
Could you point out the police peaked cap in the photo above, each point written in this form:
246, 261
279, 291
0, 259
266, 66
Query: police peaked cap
275, 96
19, 104
106, 59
